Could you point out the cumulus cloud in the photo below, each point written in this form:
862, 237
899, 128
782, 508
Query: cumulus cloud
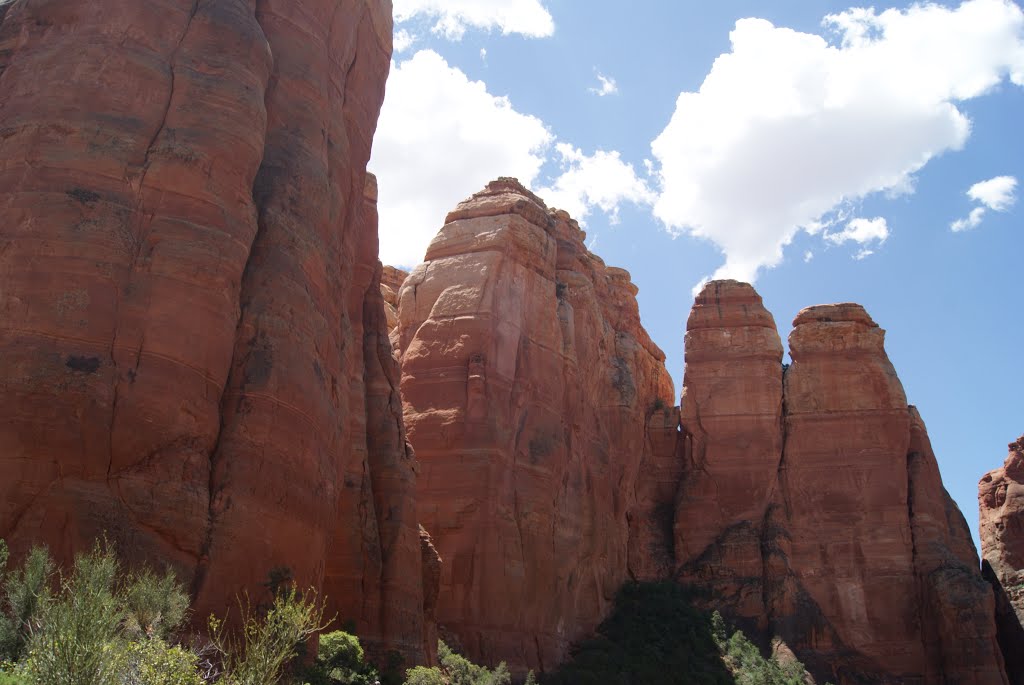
440, 138
997, 194
601, 180
605, 86
403, 41
788, 126
452, 17
861, 231
972, 220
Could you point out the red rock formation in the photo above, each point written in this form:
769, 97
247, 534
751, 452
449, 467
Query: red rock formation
390, 282
528, 385
193, 351
1001, 503
732, 410
839, 537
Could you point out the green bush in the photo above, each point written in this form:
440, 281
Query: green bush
266, 646
455, 669
154, 662
745, 661
155, 606
99, 626
421, 675
78, 641
341, 660
25, 595
656, 636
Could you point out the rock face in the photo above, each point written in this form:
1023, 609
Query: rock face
193, 349
811, 506
807, 501
390, 283
534, 400
1001, 503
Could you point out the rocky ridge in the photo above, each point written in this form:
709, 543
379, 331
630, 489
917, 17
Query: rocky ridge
806, 501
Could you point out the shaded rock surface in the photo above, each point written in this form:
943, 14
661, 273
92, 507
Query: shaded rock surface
534, 400
193, 346
1001, 505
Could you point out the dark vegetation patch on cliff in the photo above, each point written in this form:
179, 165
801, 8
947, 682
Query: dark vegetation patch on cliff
656, 636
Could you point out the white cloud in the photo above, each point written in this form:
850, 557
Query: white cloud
605, 86
786, 127
808, 256
483, 54
861, 231
972, 220
527, 17
600, 180
442, 137
998, 194
403, 41
863, 253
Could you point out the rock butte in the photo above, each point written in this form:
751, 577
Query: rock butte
807, 501
1001, 504
197, 359
193, 351
529, 388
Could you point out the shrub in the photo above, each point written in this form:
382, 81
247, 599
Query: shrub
745, 661
455, 669
154, 662
77, 643
155, 606
341, 660
656, 636
26, 593
265, 646
421, 675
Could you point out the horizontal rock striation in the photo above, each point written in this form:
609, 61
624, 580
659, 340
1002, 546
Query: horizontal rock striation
193, 350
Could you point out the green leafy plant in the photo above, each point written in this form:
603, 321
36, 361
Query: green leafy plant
26, 593
78, 641
264, 647
657, 636
341, 660
455, 669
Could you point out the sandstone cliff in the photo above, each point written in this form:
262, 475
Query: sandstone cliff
193, 352
529, 387
1001, 503
807, 502
811, 505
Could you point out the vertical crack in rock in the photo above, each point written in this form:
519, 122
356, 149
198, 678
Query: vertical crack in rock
138, 234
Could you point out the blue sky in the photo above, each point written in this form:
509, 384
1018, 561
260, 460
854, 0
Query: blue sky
826, 152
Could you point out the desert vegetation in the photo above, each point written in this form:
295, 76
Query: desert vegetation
656, 635
100, 624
